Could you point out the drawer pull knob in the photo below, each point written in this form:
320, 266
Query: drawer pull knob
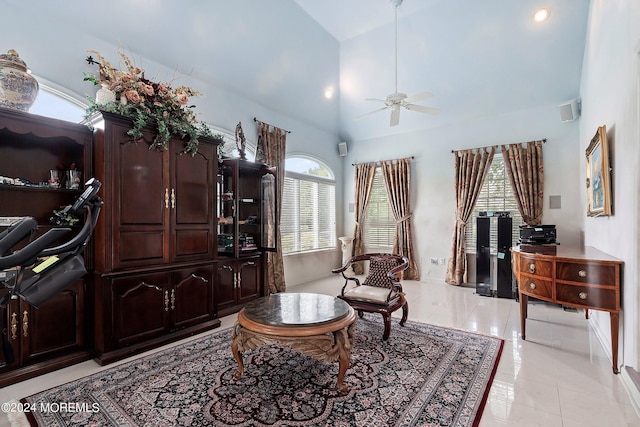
532, 285
582, 295
532, 268
582, 273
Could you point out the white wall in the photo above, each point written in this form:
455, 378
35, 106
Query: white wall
432, 181
270, 61
610, 96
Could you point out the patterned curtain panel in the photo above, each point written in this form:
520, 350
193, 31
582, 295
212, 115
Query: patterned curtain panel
274, 143
397, 176
471, 169
526, 173
365, 173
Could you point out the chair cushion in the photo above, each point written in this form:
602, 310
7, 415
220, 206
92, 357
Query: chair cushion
372, 294
378, 269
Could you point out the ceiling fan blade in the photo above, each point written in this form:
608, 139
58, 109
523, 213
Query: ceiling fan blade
421, 109
375, 99
370, 112
395, 117
418, 97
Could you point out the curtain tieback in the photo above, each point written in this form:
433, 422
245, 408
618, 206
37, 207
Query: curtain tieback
461, 223
404, 218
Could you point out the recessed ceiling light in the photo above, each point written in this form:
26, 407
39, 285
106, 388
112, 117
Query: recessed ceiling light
541, 15
328, 93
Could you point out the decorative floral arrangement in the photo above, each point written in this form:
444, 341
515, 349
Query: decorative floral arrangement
147, 102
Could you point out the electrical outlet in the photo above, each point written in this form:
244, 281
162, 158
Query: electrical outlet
442, 261
434, 261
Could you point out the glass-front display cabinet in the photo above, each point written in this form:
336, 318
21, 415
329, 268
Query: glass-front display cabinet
246, 208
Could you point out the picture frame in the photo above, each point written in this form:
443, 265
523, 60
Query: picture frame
598, 175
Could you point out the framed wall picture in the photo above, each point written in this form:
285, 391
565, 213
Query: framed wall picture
598, 178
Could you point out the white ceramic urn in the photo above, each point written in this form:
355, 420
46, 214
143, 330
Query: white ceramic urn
18, 88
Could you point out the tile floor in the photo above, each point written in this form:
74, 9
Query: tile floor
560, 376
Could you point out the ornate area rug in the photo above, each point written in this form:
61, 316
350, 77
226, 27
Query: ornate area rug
424, 375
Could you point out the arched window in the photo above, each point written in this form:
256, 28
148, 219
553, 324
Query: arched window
308, 218
57, 103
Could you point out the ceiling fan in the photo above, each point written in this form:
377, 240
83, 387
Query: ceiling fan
396, 100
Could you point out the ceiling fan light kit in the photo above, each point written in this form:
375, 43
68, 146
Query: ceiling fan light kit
397, 99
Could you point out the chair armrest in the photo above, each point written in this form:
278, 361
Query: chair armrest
346, 282
395, 273
341, 269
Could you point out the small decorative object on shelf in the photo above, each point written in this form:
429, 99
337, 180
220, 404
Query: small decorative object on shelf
18, 88
72, 179
54, 178
241, 142
146, 101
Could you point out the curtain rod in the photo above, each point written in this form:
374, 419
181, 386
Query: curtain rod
256, 120
497, 146
382, 161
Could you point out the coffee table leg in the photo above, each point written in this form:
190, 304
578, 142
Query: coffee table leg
236, 336
344, 341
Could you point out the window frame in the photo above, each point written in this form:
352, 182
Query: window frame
332, 230
516, 217
388, 223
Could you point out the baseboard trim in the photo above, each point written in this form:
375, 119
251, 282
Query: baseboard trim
631, 382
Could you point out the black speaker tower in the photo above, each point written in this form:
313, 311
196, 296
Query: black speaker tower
483, 256
503, 275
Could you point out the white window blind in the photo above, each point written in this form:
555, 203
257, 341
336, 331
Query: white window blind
496, 195
379, 224
308, 218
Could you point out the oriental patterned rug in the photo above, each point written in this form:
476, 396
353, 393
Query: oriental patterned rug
424, 375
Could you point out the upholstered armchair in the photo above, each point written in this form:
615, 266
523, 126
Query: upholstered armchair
381, 291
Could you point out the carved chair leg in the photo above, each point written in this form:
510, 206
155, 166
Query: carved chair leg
405, 313
387, 326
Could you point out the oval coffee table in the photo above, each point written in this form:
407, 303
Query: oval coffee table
316, 325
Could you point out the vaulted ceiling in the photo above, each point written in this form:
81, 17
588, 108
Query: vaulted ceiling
478, 58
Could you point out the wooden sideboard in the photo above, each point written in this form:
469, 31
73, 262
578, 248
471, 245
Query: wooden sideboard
581, 277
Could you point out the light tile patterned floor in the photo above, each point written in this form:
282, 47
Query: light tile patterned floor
560, 376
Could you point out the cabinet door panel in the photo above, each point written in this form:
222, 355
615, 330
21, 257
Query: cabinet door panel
141, 202
141, 246
142, 185
193, 242
139, 308
56, 326
12, 323
192, 203
191, 296
249, 272
194, 186
225, 282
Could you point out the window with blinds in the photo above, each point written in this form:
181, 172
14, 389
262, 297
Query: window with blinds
379, 223
496, 195
308, 217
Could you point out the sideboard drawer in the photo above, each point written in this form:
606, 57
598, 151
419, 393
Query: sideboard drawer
535, 266
588, 296
586, 273
535, 286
